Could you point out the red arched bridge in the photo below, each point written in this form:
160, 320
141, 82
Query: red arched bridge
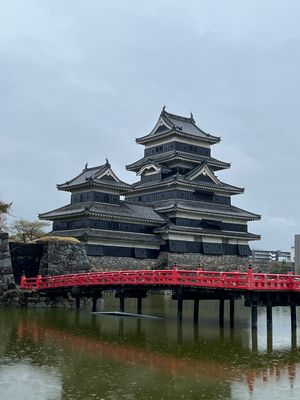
258, 289
199, 278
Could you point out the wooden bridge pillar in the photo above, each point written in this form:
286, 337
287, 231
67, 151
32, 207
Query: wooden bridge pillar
179, 333
122, 303
196, 311
269, 341
94, 303
269, 329
294, 339
179, 309
293, 317
221, 312
293, 326
231, 312
254, 340
254, 317
77, 299
269, 318
76, 294
139, 305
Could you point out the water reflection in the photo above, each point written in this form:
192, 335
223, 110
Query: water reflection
87, 356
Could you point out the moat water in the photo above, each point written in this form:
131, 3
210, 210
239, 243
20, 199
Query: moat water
61, 354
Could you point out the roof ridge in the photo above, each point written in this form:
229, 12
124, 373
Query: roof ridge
98, 166
180, 117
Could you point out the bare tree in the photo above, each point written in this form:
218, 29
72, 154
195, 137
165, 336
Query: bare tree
26, 231
4, 210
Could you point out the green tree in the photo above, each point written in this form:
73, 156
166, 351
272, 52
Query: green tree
26, 231
281, 267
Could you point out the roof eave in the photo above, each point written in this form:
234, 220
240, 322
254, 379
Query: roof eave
186, 184
67, 188
153, 138
95, 214
250, 237
255, 217
218, 165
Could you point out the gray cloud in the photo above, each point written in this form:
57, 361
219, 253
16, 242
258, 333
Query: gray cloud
80, 80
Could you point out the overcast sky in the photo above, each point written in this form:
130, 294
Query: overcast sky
80, 80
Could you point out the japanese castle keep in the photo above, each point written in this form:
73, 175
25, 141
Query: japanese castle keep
178, 212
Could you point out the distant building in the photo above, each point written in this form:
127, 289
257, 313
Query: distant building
293, 254
297, 254
178, 211
265, 257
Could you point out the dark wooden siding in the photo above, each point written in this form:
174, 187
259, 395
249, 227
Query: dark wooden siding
116, 251
209, 224
179, 146
181, 194
181, 246
101, 224
95, 196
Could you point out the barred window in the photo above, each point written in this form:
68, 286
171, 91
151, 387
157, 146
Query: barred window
213, 248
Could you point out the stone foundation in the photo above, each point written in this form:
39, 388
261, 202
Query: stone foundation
7, 281
209, 263
168, 260
63, 258
120, 263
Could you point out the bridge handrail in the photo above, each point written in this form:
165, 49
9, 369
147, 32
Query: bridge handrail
169, 277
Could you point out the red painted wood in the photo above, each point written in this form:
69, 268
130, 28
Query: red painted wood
174, 277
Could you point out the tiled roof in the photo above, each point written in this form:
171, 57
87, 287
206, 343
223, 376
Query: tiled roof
111, 235
200, 231
204, 208
177, 124
94, 176
180, 179
170, 155
125, 210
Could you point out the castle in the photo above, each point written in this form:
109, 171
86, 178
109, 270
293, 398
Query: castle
178, 212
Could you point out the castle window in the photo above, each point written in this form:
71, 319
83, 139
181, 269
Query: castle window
140, 253
212, 248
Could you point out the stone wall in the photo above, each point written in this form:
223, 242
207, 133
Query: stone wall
167, 260
63, 258
7, 281
104, 263
210, 263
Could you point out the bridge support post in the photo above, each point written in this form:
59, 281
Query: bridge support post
122, 303
97, 294
293, 317
221, 312
294, 339
269, 341
254, 340
231, 312
139, 305
77, 298
196, 311
269, 318
254, 317
94, 303
179, 309
269, 329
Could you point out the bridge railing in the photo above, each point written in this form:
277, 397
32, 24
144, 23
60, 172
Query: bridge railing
174, 277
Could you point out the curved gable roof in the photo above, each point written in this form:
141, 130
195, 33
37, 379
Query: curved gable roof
175, 124
102, 174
